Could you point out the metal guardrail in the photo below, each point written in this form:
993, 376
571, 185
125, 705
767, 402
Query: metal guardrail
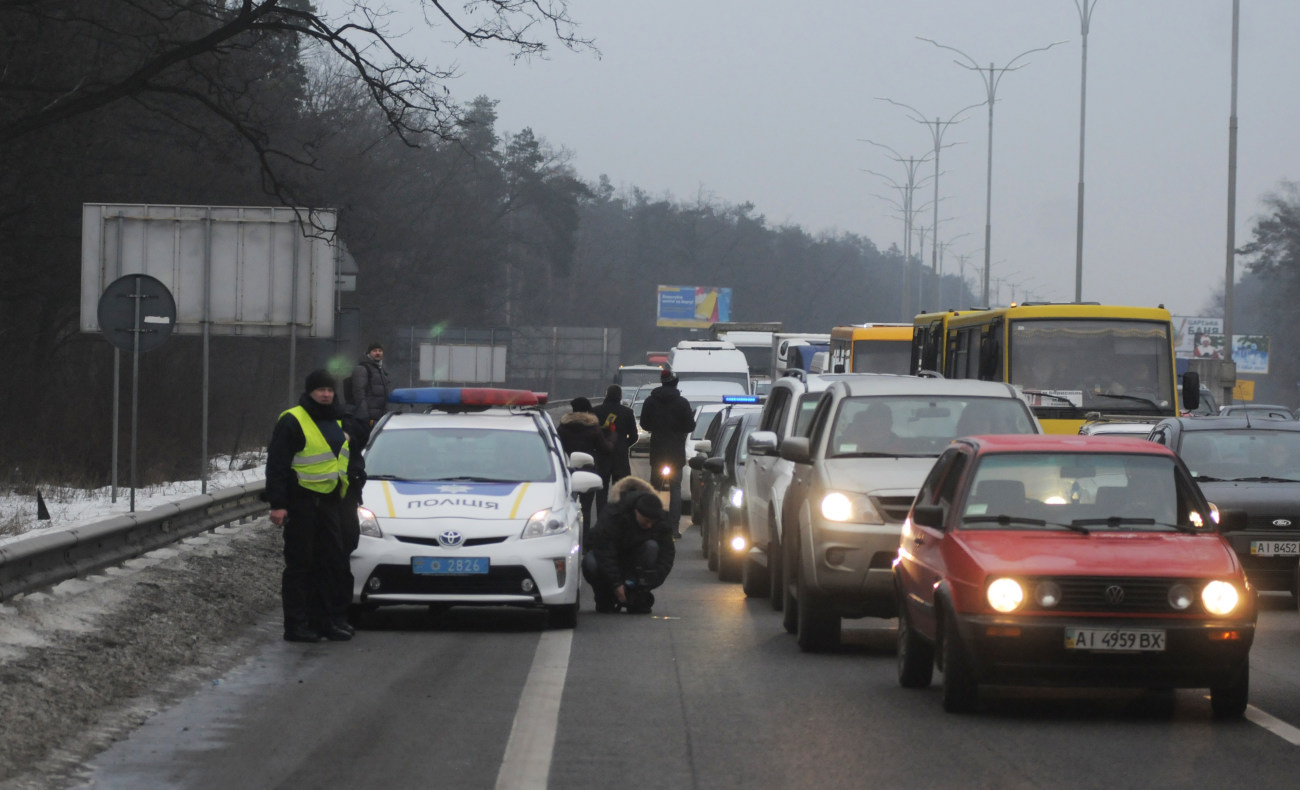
52, 557
49, 558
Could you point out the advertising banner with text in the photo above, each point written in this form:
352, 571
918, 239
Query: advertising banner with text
694, 307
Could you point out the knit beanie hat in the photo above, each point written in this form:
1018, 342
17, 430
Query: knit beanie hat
319, 378
580, 404
649, 505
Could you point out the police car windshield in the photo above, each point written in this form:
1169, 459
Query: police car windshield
459, 454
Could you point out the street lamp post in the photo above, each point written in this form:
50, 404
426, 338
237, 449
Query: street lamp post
943, 247
1227, 366
910, 165
1085, 19
991, 80
937, 127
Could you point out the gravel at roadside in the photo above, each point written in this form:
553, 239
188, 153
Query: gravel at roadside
85, 662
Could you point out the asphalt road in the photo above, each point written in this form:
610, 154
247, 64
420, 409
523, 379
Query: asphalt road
708, 692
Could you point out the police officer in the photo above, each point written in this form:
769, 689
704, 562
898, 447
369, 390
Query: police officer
632, 549
306, 479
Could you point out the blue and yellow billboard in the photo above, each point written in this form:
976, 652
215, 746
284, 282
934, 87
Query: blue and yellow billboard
694, 307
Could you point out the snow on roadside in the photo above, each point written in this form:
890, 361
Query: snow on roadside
73, 507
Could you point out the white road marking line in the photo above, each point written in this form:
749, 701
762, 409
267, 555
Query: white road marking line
1276, 726
527, 761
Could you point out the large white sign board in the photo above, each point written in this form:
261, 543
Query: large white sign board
252, 270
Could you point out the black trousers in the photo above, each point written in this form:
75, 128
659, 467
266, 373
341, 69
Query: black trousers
314, 562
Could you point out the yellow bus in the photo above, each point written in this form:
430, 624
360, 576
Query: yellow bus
1071, 361
929, 332
870, 348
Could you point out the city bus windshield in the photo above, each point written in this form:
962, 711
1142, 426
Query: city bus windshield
1116, 366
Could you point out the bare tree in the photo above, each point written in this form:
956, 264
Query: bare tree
157, 51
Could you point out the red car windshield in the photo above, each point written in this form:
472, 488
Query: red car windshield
1079, 491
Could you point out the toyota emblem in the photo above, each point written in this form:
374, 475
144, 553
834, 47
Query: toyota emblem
1114, 595
451, 539
1281, 522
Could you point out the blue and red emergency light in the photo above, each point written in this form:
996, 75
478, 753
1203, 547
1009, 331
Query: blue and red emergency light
465, 397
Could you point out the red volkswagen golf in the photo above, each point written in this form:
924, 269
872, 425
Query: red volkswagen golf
1070, 561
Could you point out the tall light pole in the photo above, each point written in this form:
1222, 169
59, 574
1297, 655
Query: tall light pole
1228, 369
943, 247
1085, 18
991, 80
910, 165
937, 127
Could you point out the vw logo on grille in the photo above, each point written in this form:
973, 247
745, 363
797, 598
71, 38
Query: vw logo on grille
451, 539
1281, 522
1114, 594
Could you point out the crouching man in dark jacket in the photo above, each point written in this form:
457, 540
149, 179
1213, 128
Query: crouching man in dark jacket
631, 550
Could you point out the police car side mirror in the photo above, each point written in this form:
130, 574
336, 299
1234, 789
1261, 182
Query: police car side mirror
585, 481
581, 460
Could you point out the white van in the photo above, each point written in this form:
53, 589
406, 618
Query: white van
716, 360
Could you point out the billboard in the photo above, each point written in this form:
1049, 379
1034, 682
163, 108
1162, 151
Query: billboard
244, 270
1202, 338
694, 307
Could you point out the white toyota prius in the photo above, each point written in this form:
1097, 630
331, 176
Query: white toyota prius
471, 502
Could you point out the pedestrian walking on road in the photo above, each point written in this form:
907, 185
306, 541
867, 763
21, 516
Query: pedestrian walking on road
306, 479
612, 412
670, 419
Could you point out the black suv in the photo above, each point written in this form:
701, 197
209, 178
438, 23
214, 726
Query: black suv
1248, 463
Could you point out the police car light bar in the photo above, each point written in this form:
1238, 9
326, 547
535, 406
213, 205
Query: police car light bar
462, 396
740, 399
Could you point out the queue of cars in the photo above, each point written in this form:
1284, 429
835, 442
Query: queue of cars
1006, 557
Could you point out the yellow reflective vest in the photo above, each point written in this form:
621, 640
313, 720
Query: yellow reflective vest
316, 466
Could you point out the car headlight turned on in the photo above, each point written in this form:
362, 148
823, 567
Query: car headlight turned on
1220, 597
543, 524
369, 524
1005, 595
844, 507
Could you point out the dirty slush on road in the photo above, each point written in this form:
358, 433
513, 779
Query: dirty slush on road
84, 663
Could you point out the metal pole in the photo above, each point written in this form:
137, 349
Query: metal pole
117, 411
1085, 18
207, 333
990, 90
1229, 275
135, 386
934, 232
296, 230
988, 197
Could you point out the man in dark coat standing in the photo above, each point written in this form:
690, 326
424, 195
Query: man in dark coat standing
306, 480
670, 419
370, 386
631, 551
612, 412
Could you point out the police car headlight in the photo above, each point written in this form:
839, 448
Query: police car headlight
543, 524
369, 524
737, 497
843, 507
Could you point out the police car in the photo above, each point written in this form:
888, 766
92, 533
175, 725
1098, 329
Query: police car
470, 500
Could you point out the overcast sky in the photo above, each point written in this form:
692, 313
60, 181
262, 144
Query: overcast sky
771, 103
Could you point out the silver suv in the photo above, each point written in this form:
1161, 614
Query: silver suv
870, 445
787, 412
